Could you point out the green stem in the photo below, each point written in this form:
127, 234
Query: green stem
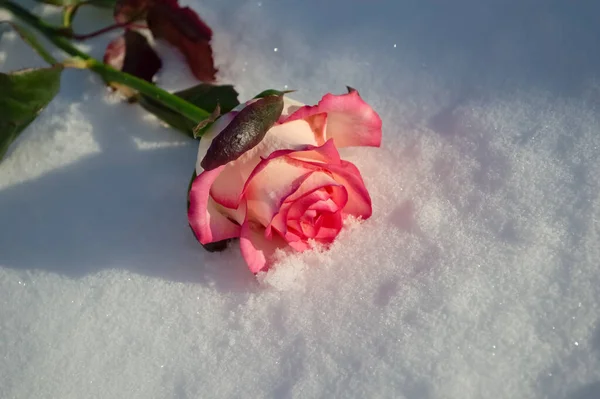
69, 14
108, 73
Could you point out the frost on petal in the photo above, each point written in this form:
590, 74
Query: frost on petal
350, 120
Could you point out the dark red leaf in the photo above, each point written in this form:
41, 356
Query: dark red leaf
131, 53
184, 29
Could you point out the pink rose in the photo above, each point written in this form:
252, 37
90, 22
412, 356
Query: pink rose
292, 188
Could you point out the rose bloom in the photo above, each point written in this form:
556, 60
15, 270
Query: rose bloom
292, 189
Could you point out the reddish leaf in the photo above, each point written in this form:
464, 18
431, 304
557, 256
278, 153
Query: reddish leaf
131, 53
182, 28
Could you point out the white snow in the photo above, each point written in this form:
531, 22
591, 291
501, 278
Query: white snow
476, 277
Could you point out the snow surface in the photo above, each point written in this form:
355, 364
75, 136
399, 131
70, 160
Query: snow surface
477, 276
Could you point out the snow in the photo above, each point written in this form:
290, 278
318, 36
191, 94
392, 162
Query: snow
476, 277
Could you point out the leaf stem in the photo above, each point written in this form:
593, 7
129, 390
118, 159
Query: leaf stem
69, 14
105, 71
129, 24
99, 32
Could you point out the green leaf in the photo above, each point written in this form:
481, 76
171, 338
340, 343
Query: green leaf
245, 132
272, 92
204, 96
207, 96
23, 94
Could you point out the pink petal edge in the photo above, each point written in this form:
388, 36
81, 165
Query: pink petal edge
257, 249
326, 154
359, 199
227, 189
350, 120
206, 221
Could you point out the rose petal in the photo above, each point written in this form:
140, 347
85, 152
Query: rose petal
256, 249
330, 227
279, 221
344, 173
286, 184
350, 120
282, 177
311, 184
299, 245
322, 229
204, 215
268, 187
308, 229
277, 180
311, 214
294, 240
228, 186
318, 199
227, 189
318, 124
325, 154
359, 200
327, 205
289, 107
292, 210
294, 135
